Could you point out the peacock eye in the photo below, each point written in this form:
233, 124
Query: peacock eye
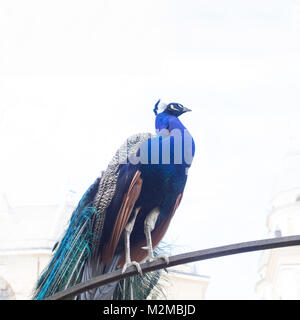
173, 107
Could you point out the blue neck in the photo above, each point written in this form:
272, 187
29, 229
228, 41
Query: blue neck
166, 121
169, 125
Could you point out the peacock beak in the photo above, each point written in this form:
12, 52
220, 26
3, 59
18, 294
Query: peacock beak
185, 110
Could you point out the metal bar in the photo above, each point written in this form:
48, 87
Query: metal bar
177, 260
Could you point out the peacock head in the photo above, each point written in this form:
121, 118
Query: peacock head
173, 108
176, 109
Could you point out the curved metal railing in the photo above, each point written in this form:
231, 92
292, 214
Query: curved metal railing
177, 260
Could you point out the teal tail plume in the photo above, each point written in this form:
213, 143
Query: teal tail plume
66, 266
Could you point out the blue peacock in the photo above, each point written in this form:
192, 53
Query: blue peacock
125, 213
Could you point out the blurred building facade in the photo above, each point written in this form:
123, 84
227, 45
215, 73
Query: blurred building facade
27, 236
279, 269
183, 282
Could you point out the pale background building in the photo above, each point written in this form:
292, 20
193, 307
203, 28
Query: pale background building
27, 236
184, 283
279, 269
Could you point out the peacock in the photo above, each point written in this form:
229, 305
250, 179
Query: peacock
125, 213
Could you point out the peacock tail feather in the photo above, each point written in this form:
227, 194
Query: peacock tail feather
66, 266
82, 238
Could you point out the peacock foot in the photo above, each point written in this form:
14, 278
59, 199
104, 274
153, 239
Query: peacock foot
151, 258
132, 263
164, 257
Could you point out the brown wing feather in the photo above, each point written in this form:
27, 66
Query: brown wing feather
123, 215
137, 253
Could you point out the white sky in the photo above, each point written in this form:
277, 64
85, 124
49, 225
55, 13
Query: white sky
78, 77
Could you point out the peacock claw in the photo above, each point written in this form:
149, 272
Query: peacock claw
132, 263
161, 256
164, 257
